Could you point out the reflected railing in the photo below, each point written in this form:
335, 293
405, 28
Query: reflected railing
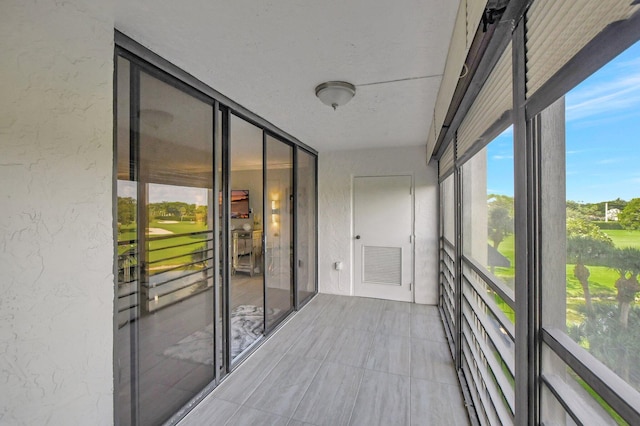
178, 266
127, 290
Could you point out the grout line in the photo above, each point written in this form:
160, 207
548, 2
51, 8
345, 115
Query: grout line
234, 413
364, 369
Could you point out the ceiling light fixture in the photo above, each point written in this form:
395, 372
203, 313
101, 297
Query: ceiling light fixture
335, 93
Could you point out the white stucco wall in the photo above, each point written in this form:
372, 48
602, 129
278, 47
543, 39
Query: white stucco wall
335, 199
56, 226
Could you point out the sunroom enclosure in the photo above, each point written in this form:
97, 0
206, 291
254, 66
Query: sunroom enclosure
538, 281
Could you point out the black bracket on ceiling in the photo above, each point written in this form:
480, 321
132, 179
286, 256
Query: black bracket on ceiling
490, 16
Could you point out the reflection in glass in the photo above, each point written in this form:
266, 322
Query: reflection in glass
593, 409
245, 237
279, 230
488, 212
306, 226
127, 251
448, 209
175, 202
488, 347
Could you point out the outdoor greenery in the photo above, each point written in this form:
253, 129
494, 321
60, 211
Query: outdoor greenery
170, 218
630, 215
603, 272
501, 213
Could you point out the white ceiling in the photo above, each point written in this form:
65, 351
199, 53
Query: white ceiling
269, 55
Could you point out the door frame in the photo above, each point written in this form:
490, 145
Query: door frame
352, 287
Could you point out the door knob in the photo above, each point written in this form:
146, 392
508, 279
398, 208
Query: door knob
357, 237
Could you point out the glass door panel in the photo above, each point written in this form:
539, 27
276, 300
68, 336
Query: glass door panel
246, 286
306, 226
279, 230
127, 252
175, 201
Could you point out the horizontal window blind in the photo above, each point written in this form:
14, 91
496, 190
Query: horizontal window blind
493, 101
445, 165
557, 30
467, 21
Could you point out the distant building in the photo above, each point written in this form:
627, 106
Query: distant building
612, 214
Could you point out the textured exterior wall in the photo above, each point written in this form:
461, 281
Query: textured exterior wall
56, 223
335, 201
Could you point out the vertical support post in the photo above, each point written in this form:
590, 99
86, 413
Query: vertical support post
264, 234
214, 222
526, 240
134, 174
550, 132
457, 196
550, 136
294, 255
224, 230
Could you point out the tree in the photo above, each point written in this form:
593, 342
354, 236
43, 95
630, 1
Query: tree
500, 220
126, 210
586, 244
629, 217
627, 262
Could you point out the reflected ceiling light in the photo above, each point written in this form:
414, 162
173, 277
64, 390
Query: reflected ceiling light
335, 93
155, 117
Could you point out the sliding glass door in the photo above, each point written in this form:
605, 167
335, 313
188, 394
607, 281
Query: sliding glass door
175, 206
279, 230
306, 226
245, 193
208, 218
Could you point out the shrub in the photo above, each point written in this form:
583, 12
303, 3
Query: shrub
607, 225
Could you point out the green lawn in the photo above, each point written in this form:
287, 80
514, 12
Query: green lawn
623, 238
601, 281
194, 242
508, 250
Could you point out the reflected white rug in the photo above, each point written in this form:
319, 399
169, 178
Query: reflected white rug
246, 328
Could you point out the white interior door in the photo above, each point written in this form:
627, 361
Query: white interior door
383, 241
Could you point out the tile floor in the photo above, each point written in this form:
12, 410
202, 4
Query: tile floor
344, 361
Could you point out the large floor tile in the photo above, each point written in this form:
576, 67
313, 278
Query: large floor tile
390, 354
284, 387
364, 314
392, 305
376, 363
331, 395
246, 378
432, 361
435, 403
350, 347
211, 411
427, 327
314, 342
383, 399
395, 323
429, 310
247, 416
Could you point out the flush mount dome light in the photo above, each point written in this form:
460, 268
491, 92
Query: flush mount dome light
335, 93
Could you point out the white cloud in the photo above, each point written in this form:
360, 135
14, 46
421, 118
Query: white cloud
609, 161
502, 157
606, 97
159, 193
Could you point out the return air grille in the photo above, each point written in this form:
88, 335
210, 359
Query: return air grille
382, 265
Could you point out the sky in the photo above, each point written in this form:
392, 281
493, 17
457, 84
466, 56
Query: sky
159, 193
602, 136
